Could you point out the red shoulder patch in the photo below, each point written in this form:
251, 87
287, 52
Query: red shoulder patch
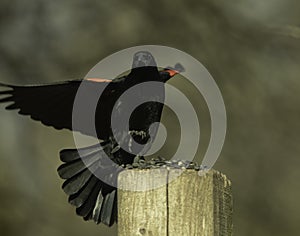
172, 72
98, 80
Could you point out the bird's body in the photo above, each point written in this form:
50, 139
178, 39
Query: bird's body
96, 198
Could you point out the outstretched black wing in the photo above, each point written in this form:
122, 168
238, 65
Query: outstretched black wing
52, 104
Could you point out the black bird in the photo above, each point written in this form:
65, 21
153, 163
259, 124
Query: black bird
96, 198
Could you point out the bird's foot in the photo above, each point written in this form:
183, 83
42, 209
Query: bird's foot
138, 159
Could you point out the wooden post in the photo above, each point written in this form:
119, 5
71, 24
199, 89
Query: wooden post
174, 202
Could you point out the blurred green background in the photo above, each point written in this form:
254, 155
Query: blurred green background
252, 49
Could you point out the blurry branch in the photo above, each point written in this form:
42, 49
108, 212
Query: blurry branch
286, 30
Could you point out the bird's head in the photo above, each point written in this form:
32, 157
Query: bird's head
143, 59
144, 66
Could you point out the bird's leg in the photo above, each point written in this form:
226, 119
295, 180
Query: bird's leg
115, 149
140, 136
122, 137
128, 139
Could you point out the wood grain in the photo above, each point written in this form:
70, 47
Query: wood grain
174, 202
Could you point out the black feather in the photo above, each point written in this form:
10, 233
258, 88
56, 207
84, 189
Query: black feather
89, 204
74, 184
80, 197
108, 207
97, 209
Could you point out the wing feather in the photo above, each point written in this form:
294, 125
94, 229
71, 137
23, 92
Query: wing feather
52, 104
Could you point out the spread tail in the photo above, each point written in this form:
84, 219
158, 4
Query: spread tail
94, 199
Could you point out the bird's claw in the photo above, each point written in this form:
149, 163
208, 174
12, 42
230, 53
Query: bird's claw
138, 159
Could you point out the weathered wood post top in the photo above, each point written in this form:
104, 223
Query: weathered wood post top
174, 202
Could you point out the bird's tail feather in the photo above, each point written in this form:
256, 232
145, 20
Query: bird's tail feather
93, 198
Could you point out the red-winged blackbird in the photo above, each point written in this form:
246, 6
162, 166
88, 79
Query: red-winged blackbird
52, 104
